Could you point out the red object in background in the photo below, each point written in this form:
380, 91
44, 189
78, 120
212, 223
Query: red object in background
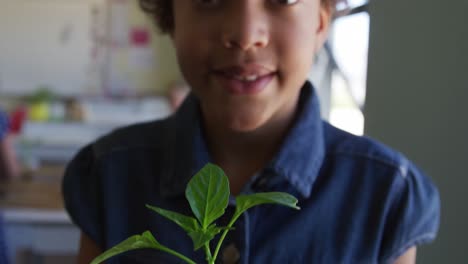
17, 118
140, 36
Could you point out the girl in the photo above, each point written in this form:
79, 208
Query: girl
253, 113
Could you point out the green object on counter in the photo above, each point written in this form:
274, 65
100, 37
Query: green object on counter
39, 104
39, 111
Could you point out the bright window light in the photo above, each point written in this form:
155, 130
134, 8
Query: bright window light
349, 42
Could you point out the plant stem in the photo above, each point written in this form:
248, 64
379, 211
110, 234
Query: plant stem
177, 254
209, 257
223, 236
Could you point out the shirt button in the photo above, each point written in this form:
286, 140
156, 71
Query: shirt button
260, 183
231, 255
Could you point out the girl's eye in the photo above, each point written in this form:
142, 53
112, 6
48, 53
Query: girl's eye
207, 2
286, 2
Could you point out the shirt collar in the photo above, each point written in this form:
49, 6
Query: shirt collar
298, 161
301, 155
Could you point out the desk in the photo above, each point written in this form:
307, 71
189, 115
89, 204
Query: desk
36, 223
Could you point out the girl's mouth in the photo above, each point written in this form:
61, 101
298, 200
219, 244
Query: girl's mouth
247, 80
244, 85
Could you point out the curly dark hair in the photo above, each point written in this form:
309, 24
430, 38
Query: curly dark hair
161, 11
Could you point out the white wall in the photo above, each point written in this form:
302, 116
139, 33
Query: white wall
60, 44
417, 102
45, 42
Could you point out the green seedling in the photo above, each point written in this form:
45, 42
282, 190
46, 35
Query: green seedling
208, 196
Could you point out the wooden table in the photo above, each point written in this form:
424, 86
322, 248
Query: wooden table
31, 194
36, 224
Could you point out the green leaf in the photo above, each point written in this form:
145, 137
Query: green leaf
188, 223
208, 194
244, 202
200, 237
146, 240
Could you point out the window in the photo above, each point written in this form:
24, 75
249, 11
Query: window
348, 44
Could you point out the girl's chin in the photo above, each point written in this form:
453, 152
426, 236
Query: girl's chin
244, 124
237, 116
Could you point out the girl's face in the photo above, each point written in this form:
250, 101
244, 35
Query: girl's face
246, 60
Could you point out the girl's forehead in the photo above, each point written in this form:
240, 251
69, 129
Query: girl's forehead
233, 2
214, 5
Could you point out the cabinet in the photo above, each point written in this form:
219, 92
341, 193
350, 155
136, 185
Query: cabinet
37, 229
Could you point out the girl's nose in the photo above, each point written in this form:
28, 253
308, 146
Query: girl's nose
245, 28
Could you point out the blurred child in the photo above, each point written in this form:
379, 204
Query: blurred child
9, 167
176, 94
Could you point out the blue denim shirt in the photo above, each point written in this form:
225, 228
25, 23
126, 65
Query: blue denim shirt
361, 202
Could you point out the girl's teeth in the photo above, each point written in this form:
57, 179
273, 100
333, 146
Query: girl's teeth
249, 78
